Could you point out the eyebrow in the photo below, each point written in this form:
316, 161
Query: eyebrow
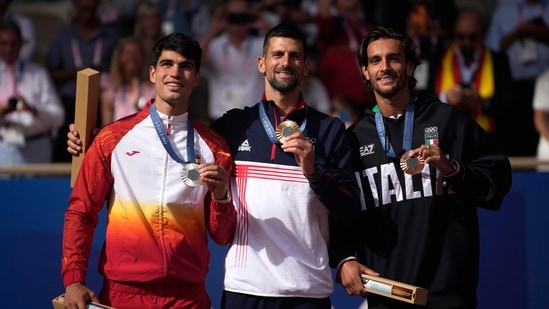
392, 55
181, 63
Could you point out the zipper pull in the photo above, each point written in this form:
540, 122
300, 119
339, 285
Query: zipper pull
169, 126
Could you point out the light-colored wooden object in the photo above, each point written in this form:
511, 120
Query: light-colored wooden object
85, 115
395, 290
58, 304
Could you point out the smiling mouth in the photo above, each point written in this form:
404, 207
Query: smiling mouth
174, 85
285, 74
386, 78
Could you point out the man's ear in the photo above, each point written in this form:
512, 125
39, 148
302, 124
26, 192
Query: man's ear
261, 65
410, 69
196, 79
364, 70
307, 68
152, 74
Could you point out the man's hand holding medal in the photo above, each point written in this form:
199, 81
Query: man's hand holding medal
412, 161
216, 178
293, 141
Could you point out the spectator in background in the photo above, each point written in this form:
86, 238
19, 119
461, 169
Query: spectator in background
125, 88
108, 12
148, 27
313, 89
430, 41
230, 57
82, 43
520, 29
541, 117
190, 17
340, 29
29, 105
472, 76
26, 26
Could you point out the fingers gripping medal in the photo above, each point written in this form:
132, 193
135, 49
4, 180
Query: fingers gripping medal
285, 129
412, 165
190, 175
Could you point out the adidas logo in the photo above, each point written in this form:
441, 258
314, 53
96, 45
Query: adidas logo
245, 146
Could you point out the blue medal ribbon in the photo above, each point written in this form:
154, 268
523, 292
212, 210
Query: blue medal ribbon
269, 127
408, 130
159, 127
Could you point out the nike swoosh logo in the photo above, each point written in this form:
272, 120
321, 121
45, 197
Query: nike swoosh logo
129, 154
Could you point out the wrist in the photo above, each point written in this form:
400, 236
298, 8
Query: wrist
317, 173
454, 170
224, 199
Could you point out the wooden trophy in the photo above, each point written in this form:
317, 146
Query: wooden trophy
85, 115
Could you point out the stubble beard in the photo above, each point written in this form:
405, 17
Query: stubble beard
284, 85
391, 92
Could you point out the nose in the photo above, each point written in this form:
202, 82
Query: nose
385, 64
284, 60
175, 71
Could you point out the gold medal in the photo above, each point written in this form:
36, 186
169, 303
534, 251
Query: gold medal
411, 165
190, 175
285, 129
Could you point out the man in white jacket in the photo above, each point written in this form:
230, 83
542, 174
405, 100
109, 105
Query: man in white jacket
29, 105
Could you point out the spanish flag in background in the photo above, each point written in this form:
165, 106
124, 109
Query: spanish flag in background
483, 81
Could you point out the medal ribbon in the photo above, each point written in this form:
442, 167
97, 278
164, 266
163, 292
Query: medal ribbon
353, 43
77, 56
14, 76
408, 130
159, 127
269, 127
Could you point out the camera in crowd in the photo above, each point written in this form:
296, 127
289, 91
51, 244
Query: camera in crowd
241, 18
12, 103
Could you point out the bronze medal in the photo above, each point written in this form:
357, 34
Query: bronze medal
285, 129
411, 165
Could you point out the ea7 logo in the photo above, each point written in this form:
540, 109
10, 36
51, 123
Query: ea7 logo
366, 150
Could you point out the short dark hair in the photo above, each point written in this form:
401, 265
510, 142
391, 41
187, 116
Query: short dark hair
9, 24
285, 30
180, 43
406, 44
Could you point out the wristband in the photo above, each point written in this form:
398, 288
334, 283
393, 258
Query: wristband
315, 176
455, 165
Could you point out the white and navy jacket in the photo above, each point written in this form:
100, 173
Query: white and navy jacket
280, 243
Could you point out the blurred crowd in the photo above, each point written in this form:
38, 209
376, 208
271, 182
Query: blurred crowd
491, 58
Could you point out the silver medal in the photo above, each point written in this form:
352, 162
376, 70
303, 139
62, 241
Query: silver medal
190, 175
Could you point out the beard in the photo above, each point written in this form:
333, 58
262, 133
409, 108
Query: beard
390, 91
284, 85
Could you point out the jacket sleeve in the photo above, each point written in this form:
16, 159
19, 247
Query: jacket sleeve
485, 174
221, 217
336, 187
345, 239
87, 199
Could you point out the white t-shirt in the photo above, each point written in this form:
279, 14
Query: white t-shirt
30, 142
233, 79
